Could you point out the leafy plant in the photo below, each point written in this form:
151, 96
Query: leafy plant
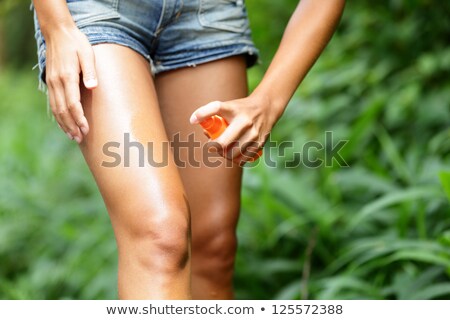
376, 229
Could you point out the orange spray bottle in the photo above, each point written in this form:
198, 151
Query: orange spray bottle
215, 126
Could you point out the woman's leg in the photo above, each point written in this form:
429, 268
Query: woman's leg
146, 204
213, 193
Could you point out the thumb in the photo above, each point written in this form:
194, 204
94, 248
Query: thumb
206, 111
87, 63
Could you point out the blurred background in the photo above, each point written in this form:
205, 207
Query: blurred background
377, 229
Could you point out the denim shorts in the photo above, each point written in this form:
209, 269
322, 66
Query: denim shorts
170, 34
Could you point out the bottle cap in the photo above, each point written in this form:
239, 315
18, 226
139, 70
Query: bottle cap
214, 126
208, 124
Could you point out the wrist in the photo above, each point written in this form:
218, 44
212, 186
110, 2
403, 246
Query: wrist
266, 97
51, 29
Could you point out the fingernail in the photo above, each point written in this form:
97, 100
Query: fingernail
78, 139
84, 130
193, 119
69, 135
91, 83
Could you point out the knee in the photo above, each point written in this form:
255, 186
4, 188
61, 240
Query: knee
157, 238
214, 249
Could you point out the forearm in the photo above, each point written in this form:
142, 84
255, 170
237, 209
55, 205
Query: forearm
52, 15
308, 32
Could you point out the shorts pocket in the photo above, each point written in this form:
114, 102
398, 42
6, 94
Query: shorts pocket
227, 15
85, 12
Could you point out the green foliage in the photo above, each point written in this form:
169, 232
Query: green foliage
16, 31
377, 229
56, 240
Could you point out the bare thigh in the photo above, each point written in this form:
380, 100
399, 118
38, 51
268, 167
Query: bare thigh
213, 192
125, 103
139, 198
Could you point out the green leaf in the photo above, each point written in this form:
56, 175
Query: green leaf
432, 292
398, 197
444, 176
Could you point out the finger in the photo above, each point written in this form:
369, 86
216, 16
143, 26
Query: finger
87, 63
259, 153
251, 153
53, 105
72, 95
66, 120
253, 149
250, 145
238, 152
207, 111
233, 132
232, 152
52, 102
70, 125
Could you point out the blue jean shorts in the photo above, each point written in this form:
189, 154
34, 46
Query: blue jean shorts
170, 34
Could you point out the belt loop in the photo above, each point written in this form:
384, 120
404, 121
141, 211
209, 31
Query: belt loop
181, 7
161, 17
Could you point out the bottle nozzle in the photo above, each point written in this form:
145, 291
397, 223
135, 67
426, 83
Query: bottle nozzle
214, 126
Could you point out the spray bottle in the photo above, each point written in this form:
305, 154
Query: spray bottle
215, 126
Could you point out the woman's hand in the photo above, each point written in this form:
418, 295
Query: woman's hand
69, 54
250, 121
